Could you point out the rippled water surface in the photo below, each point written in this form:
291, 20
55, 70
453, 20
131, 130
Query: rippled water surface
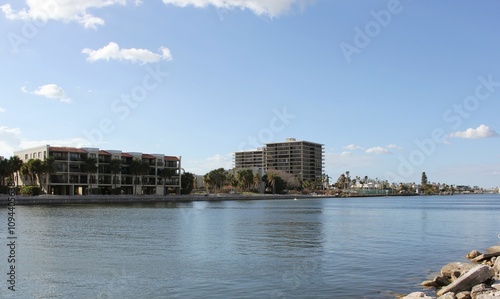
311, 248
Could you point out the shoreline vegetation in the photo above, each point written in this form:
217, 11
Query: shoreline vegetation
100, 199
212, 197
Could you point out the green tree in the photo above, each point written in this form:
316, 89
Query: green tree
36, 168
15, 166
245, 179
115, 166
4, 170
424, 180
49, 169
215, 179
90, 167
187, 183
135, 170
25, 171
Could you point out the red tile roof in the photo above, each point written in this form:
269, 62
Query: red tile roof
146, 156
171, 158
126, 155
101, 152
67, 149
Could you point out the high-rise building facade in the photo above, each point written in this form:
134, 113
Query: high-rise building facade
303, 159
69, 176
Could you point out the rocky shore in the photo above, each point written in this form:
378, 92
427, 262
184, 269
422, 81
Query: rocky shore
477, 279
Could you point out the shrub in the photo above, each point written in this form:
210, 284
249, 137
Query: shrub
30, 190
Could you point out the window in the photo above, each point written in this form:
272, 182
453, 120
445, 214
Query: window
25, 156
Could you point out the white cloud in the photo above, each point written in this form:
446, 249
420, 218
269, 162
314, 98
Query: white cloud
2, 109
378, 150
353, 147
9, 140
201, 167
51, 91
346, 154
394, 146
66, 11
482, 131
259, 7
113, 51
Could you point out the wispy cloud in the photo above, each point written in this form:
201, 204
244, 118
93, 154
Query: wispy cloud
66, 11
353, 147
258, 7
51, 91
480, 132
378, 150
2, 110
394, 146
112, 51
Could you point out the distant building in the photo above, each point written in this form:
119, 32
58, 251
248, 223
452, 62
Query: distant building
303, 159
69, 177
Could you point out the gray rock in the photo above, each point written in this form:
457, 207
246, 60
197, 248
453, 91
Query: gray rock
442, 281
483, 291
449, 295
496, 267
429, 283
463, 295
450, 268
489, 295
476, 275
417, 295
493, 249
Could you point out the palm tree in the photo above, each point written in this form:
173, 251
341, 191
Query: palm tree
271, 180
4, 170
36, 169
135, 170
115, 166
15, 165
90, 167
48, 168
25, 171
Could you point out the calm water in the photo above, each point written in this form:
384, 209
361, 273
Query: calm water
314, 248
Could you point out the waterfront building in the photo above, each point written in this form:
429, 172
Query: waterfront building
303, 159
69, 175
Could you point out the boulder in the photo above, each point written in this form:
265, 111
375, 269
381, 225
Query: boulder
442, 281
429, 283
447, 296
496, 267
449, 269
485, 256
476, 275
493, 249
483, 291
463, 295
417, 295
473, 254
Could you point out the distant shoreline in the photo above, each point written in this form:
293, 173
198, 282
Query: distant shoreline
100, 199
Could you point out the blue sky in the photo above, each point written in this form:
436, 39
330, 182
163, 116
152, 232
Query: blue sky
391, 88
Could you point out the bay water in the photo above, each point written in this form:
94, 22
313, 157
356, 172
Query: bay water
306, 248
